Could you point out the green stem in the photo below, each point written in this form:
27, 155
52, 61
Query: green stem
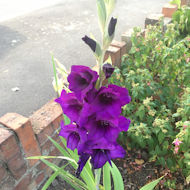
101, 74
97, 177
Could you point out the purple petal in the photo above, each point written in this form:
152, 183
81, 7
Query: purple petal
73, 140
124, 123
70, 105
123, 94
99, 158
81, 163
117, 152
81, 80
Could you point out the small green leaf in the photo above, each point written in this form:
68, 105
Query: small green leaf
151, 185
161, 137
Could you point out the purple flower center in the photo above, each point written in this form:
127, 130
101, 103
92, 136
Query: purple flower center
103, 123
82, 82
106, 98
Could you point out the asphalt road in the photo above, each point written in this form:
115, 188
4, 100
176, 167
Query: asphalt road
26, 42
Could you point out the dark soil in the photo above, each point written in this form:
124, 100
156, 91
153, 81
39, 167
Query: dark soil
136, 172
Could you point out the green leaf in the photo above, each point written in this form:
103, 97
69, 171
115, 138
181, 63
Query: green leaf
73, 154
176, 2
86, 173
66, 120
151, 185
61, 149
161, 137
101, 13
55, 74
52, 177
110, 4
106, 177
49, 157
117, 178
72, 180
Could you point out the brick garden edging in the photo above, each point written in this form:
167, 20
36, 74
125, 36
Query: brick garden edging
21, 137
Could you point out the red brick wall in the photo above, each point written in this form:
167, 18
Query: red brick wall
21, 137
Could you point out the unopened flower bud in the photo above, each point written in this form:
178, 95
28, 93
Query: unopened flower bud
111, 27
108, 70
90, 42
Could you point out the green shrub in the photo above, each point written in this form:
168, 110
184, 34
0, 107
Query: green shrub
182, 19
156, 71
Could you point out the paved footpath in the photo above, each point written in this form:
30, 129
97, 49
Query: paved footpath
30, 31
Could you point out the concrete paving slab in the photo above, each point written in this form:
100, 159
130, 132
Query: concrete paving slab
26, 42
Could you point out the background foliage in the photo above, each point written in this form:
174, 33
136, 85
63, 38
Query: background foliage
157, 73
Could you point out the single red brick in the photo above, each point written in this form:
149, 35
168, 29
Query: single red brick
3, 172
153, 19
17, 166
41, 166
56, 122
22, 126
122, 45
32, 186
55, 152
47, 147
43, 135
8, 183
169, 9
8, 144
48, 171
114, 52
24, 183
40, 177
43, 119
56, 138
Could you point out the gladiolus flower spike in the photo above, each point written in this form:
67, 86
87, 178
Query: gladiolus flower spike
95, 118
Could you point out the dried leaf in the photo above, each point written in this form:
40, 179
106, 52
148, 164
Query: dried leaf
139, 161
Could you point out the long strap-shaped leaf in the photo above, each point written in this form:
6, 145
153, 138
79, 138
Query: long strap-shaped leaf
72, 180
86, 174
107, 177
117, 178
52, 177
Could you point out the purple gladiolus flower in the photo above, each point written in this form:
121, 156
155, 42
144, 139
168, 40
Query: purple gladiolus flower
70, 105
105, 128
111, 27
81, 80
95, 117
101, 156
108, 70
71, 133
108, 102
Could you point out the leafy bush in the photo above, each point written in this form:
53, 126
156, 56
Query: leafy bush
156, 71
182, 18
